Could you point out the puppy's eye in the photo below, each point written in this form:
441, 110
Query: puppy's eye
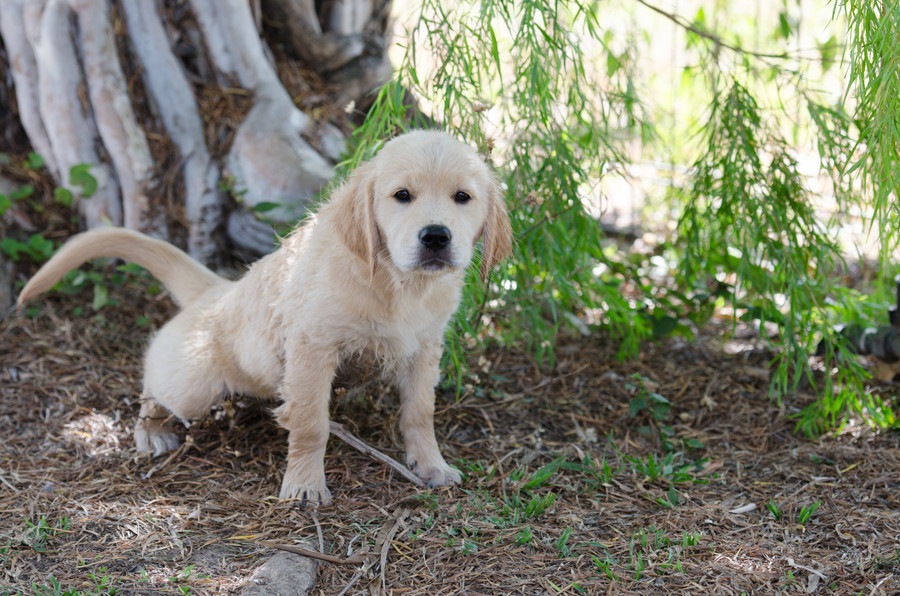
403, 196
462, 198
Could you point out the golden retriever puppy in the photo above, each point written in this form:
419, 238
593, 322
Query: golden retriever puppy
379, 269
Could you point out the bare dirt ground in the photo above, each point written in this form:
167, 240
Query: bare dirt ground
580, 480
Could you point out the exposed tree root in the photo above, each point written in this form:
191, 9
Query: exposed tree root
24, 72
176, 105
77, 105
67, 119
119, 130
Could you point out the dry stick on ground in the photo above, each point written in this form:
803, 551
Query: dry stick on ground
385, 539
388, 531
306, 552
342, 433
177, 452
385, 536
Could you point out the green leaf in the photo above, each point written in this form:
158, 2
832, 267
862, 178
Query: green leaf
63, 196
101, 296
664, 325
659, 399
12, 248
543, 475
40, 248
265, 206
613, 64
34, 161
37, 248
131, 268
673, 496
80, 278
828, 51
636, 405
784, 26
806, 512
80, 175
5, 203
495, 51
22, 193
700, 19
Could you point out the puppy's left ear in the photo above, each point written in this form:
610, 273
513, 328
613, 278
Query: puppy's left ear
496, 240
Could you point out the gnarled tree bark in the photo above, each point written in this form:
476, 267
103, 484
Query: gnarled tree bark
123, 85
174, 102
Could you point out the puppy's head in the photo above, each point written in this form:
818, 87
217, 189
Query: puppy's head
422, 203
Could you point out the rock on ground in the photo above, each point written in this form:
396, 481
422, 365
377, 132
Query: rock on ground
284, 574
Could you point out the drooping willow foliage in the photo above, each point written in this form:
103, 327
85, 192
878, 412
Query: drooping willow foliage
553, 96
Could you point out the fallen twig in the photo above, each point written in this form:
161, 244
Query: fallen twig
177, 452
385, 539
342, 433
7, 483
306, 552
315, 518
382, 545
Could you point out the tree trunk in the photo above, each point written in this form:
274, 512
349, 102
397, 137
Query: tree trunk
170, 101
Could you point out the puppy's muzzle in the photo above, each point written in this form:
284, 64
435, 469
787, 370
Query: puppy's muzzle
434, 247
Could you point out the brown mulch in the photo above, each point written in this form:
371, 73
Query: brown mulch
79, 507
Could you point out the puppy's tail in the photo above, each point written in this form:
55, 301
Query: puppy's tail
184, 277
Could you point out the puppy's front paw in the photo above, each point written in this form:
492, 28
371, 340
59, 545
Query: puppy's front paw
309, 492
442, 474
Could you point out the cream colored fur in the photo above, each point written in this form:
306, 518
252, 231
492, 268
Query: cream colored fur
350, 280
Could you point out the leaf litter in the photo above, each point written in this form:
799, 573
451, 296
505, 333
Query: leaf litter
571, 486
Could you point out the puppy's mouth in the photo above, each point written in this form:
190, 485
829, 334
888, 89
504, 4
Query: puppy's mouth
434, 263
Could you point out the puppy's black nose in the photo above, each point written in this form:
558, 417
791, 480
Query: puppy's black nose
435, 238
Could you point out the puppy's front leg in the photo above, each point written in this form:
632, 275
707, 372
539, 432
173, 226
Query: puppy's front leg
416, 380
306, 390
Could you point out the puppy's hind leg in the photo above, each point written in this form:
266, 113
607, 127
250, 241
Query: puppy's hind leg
181, 381
152, 433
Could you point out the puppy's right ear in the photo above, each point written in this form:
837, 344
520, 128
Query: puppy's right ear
355, 221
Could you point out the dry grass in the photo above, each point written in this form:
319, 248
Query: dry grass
78, 504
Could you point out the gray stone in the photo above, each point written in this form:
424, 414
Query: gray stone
284, 574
